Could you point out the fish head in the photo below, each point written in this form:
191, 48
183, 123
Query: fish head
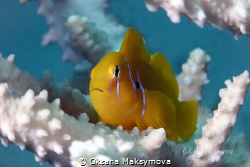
115, 89
105, 73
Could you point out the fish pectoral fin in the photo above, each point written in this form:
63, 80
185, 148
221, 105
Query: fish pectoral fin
160, 113
133, 45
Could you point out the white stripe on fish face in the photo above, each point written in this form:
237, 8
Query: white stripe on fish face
118, 90
130, 76
136, 85
143, 95
116, 75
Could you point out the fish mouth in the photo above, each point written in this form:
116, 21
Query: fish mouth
97, 90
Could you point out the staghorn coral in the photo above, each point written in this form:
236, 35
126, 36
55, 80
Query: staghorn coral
218, 128
80, 40
223, 14
194, 75
83, 35
43, 128
39, 126
72, 101
95, 42
16, 78
175, 152
52, 135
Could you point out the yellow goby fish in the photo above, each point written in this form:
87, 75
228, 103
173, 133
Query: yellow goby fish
130, 88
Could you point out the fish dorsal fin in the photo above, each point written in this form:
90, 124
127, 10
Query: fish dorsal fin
162, 64
133, 45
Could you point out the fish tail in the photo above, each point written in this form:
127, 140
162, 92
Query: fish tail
187, 118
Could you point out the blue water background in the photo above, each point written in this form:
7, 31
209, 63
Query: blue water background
21, 30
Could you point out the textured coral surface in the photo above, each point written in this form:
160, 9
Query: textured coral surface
223, 14
21, 34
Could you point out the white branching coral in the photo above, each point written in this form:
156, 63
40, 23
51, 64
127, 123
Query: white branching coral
222, 14
73, 102
218, 128
81, 39
87, 41
43, 128
193, 75
31, 122
16, 78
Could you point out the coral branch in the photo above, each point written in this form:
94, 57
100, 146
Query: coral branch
193, 75
43, 128
81, 40
88, 41
218, 128
17, 79
72, 101
222, 14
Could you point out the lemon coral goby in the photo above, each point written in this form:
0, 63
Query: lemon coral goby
132, 88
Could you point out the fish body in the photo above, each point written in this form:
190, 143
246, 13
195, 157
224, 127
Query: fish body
132, 88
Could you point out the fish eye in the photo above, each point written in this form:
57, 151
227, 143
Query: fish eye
116, 71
